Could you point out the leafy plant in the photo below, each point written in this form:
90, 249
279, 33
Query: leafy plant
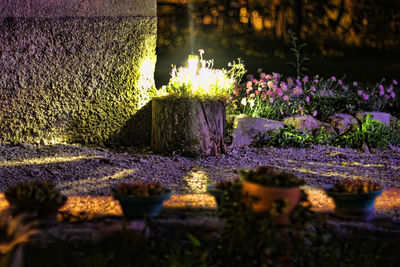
298, 52
268, 176
37, 192
140, 189
355, 186
372, 133
203, 82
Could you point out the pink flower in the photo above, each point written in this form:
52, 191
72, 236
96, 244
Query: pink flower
393, 94
316, 81
315, 113
365, 96
236, 92
333, 78
263, 76
305, 79
248, 91
283, 86
249, 85
270, 85
279, 92
359, 92
395, 82
269, 77
300, 108
307, 99
355, 83
297, 90
257, 92
271, 100
285, 97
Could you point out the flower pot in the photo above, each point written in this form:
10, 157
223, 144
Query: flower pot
265, 196
218, 194
358, 206
47, 211
136, 207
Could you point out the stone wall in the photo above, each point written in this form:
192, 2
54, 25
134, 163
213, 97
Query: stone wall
74, 70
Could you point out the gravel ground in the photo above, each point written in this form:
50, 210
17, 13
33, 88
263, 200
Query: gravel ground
79, 170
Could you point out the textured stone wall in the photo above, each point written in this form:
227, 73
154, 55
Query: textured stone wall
74, 71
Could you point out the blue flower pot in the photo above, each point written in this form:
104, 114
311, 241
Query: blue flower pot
135, 207
358, 206
218, 194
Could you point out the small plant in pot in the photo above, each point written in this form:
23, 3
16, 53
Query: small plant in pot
219, 190
354, 199
41, 197
139, 200
270, 191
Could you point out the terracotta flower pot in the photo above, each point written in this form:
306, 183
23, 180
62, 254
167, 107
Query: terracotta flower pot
266, 195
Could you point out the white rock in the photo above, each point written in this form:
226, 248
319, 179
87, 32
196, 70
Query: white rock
248, 131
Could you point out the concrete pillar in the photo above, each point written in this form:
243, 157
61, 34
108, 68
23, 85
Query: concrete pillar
74, 70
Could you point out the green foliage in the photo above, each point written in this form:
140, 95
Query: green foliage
266, 175
298, 52
202, 82
291, 137
372, 133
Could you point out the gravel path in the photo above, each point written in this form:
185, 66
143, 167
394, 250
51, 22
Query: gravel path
81, 170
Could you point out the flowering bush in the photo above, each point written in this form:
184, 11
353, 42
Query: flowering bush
272, 97
203, 81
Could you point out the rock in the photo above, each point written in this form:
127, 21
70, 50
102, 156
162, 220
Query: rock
379, 116
343, 123
248, 130
308, 124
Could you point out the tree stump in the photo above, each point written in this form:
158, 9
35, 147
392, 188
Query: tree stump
188, 126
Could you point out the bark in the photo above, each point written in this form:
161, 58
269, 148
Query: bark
188, 127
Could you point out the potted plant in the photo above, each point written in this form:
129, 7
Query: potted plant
219, 189
41, 197
354, 199
139, 200
271, 191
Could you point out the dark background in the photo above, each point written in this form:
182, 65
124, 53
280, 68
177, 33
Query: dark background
356, 39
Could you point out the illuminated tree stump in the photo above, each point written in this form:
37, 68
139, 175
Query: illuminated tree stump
187, 126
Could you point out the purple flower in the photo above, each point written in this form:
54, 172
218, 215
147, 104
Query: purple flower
298, 82
316, 81
365, 96
271, 100
279, 92
250, 77
276, 76
313, 88
307, 99
305, 79
297, 90
315, 113
395, 82
382, 92
340, 82
355, 83
389, 89
359, 92
393, 95
387, 96
333, 78
345, 88
381, 87
285, 97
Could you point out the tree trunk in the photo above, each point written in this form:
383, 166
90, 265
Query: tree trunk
188, 127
